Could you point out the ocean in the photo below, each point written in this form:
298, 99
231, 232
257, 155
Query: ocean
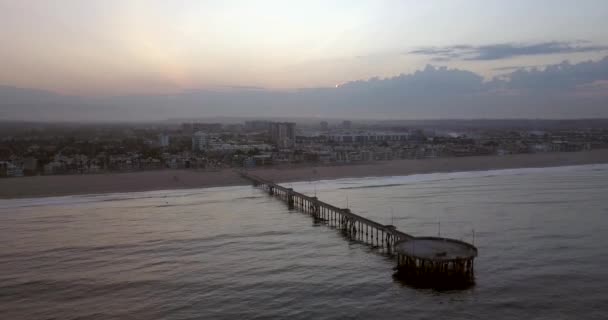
236, 253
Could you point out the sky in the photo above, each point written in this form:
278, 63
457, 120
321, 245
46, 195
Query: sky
118, 48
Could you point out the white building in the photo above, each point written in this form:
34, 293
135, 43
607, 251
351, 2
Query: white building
163, 140
200, 141
9, 169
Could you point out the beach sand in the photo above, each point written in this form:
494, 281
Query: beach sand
59, 185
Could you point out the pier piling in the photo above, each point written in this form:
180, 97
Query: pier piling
431, 261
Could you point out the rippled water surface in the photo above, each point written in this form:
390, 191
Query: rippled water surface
230, 253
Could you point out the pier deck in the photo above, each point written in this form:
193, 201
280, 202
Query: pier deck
432, 260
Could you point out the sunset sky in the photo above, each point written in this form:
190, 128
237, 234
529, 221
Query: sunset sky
117, 47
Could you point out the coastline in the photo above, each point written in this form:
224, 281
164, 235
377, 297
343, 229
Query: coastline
63, 185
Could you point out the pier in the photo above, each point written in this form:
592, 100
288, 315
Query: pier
433, 261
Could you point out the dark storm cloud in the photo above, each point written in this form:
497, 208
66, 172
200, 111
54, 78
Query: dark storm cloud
506, 50
433, 92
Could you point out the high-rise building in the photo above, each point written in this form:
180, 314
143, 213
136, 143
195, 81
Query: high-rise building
283, 134
347, 124
200, 141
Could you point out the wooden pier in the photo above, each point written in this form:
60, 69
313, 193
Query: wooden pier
419, 259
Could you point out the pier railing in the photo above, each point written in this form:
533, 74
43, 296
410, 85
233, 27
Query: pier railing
355, 226
431, 267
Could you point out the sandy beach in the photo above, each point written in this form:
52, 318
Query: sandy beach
40, 186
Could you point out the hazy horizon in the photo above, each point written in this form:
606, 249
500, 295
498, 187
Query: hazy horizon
156, 60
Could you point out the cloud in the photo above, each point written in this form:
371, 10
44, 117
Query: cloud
511, 68
442, 81
506, 50
563, 76
428, 81
563, 90
243, 87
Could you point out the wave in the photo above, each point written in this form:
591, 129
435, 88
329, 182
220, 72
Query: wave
403, 180
375, 186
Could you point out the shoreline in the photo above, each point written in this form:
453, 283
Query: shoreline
65, 185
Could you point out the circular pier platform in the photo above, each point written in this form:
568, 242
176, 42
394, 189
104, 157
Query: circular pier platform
435, 261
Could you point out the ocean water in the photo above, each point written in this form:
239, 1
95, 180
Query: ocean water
235, 253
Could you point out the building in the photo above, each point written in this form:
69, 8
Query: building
200, 141
257, 125
369, 137
347, 124
163, 140
190, 127
283, 134
324, 126
30, 165
207, 127
9, 169
187, 128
